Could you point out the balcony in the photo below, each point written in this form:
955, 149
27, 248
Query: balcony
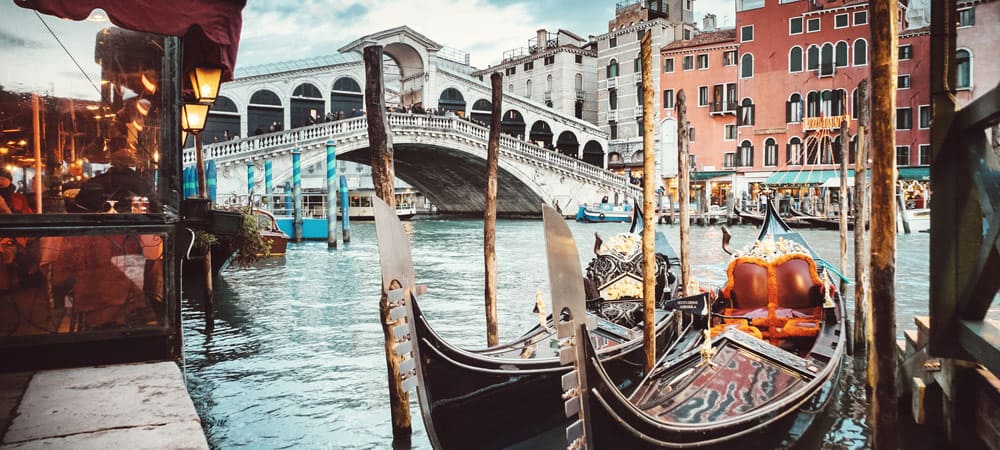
613, 83
613, 116
721, 107
580, 95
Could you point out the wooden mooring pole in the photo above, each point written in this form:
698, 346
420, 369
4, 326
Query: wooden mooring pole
861, 216
882, 353
842, 202
683, 193
648, 199
380, 145
490, 215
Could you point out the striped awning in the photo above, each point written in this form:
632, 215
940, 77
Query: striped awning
915, 173
710, 174
804, 176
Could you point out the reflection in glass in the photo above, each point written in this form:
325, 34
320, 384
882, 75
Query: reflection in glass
65, 284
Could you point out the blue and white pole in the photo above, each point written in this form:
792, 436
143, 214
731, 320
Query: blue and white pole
268, 184
250, 182
331, 194
297, 193
346, 208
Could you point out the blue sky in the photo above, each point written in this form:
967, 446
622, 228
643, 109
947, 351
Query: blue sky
278, 30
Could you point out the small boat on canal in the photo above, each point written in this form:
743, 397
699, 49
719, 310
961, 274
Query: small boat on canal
502, 395
276, 239
604, 212
754, 370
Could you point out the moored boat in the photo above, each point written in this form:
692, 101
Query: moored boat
758, 378
498, 396
604, 212
277, 240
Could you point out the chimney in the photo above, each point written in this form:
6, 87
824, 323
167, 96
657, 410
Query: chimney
543, 37
709, 22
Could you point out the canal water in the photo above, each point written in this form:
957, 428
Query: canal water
296, 358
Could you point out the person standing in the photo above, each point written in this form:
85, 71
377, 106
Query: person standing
11, 202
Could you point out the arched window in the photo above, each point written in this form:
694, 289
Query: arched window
746, 66
860, 52
963, 67
745, 113
812, 104
527, 88
770, 152
548, 83
812, 58
841, 54
793, 152
826, 104
613, 99
826, 60
793, 109
795, 59
578, 82
854, 104
744, 156
612, 69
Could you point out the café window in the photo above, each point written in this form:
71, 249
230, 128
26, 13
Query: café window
99, 127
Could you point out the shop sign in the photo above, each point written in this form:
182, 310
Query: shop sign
824, 123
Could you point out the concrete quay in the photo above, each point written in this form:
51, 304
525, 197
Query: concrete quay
134, 406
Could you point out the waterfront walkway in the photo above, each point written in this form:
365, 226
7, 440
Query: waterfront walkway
133, 406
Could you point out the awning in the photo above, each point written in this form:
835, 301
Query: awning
805, 176
710, 174
835, 182
210, 28
915, 173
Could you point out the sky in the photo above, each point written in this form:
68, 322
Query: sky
279, 30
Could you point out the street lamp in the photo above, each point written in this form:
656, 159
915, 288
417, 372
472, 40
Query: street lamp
193, 117
205, 83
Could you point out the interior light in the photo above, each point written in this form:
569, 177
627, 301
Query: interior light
150, 85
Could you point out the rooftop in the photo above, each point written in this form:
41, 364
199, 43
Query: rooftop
712, 37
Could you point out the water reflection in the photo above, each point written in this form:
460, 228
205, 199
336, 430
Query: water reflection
296, 359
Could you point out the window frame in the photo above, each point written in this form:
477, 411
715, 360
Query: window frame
814, 20
791, 58
703, 96
908, 53
903, 81
668, 60
743, 66
897, 155
668, 94
921, 125
791, 27
743, 33
863, 15
901, 123
701, 57
847, 21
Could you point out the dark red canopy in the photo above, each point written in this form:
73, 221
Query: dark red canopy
210, 28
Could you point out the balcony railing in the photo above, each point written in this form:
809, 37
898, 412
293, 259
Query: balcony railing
580, 94
613, 83
722, 107
613, 115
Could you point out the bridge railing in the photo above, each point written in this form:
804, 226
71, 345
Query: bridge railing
256, 147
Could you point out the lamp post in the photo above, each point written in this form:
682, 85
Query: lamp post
193, 117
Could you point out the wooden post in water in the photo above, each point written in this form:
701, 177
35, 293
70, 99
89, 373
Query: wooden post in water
683, 194
331, 194
380, 145
345, 209
490, 215
844, 145
901, 210
861, 216
882, 354
208, 302
648, 199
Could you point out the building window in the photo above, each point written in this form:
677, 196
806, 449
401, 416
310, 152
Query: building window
860, 52
904, 118
963, 65
687, 35
691, 134
902, 155
793, 152
703, 61
812, 58
638, 100
840, 56
613, 42
579, 59
770, 152
795, 25
746, 66
839, 100
668, 65
729, 160
840, 21
812, 25
924, 151
793, 109
549, 60
668, 99
703, 96
527, 88
730, 132
860, 18
812, 104
966, 17
612, 99
639, 34
612, 69
795, 59
905, 52
745, 113
688, 62
613, 130
854, 104
729, 58
637, 63
826, 60
903, 82
511, 71
744, 154
925, 117
548, 83
730, 97
746, 33
529, 65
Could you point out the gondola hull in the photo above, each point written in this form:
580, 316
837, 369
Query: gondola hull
493, 398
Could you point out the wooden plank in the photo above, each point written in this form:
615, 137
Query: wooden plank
982, 341
982, 113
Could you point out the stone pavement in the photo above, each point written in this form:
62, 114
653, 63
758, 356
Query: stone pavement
133, 406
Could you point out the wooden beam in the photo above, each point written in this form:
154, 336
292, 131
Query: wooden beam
861, 214
490, 215
982, 113
882, 354
982, 340
648, 199
683, 190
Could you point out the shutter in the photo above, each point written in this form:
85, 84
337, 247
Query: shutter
739, 116
750, 163
788, 112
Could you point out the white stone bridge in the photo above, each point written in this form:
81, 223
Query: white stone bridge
443, 157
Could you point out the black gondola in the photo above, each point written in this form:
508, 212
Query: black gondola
498, 396
760, 379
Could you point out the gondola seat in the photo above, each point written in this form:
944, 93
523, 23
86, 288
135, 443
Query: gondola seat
781, 297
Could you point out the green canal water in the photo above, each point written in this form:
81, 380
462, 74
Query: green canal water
296, 359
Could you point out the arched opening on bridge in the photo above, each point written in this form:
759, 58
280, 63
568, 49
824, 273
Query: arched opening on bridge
403, 70
263, 111
223, 117
593, 154
482, 111
567, 144
541, 134
307, 105
615, 160
346, 100
452, 100
513, 124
